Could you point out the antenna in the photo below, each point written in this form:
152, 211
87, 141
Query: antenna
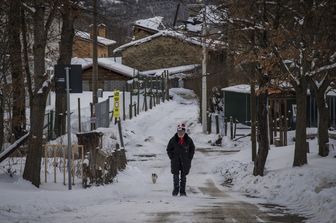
176, 13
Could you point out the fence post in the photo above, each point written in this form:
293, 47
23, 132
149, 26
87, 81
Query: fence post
91, 119
145, 95
225, 125
167, 85
120, 134
157, 90
135, 113
45, 162
235, 128
217, 124
138, 86
150, 101
150, 93
48, 125
73, 165
162, 87
79, 116
231, 127
209, 123
54, 163
51, 124
124, 106
272, 125
130, 105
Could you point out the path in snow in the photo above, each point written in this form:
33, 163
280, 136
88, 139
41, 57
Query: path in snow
206, 201
133, 197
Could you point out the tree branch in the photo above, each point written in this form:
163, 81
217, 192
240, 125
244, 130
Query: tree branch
323, 68
51, 16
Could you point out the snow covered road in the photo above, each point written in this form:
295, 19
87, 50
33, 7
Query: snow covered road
133, 197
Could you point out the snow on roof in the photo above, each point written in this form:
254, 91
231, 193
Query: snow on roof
101, 40
245, 88
153, 23
85, 62
109, 63
171, 70
241, 88
214, 15
193, 26
193, 40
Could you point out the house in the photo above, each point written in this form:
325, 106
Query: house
111, 73
147, 27
282, 102
156, 47
82, 46
180, 76
168, 48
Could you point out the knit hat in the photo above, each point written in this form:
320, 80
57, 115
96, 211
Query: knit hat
181, 127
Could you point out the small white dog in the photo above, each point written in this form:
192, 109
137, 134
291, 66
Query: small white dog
154, 177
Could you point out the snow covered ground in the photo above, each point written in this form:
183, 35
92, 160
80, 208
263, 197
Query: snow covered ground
309, 190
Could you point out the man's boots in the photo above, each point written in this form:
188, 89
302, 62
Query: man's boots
176, 185
183, 185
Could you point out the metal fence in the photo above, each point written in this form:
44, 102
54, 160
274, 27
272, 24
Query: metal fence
48, 128
102, 114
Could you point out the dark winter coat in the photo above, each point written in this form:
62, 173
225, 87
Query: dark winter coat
180, 155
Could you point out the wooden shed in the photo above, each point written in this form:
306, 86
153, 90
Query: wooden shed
237, 104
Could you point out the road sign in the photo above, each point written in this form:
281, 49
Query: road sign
116, 110
75, 77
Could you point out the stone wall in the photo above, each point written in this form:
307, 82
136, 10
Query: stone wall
162, 52
83, 49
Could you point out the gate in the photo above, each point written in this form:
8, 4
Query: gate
102, 114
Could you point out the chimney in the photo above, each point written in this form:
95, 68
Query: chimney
91, 31
102, 30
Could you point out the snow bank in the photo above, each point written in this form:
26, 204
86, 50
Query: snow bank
309, 190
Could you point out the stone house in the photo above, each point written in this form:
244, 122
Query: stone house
147, 27
112, 74
82, 46
171, 49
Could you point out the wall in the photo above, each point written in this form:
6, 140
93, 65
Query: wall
83, 49
165, 51
140, 33
161, 52
104, 79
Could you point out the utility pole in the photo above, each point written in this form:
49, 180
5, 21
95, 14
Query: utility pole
94, 55
69, 150
94, 62
204, 83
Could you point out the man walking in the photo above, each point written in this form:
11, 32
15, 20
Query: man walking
181, 151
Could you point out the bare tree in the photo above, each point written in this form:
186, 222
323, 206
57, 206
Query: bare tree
248, 44
323, 22
4, 69
43, 13
323, 117
69, 12
19, 114
283, 37
305, 45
